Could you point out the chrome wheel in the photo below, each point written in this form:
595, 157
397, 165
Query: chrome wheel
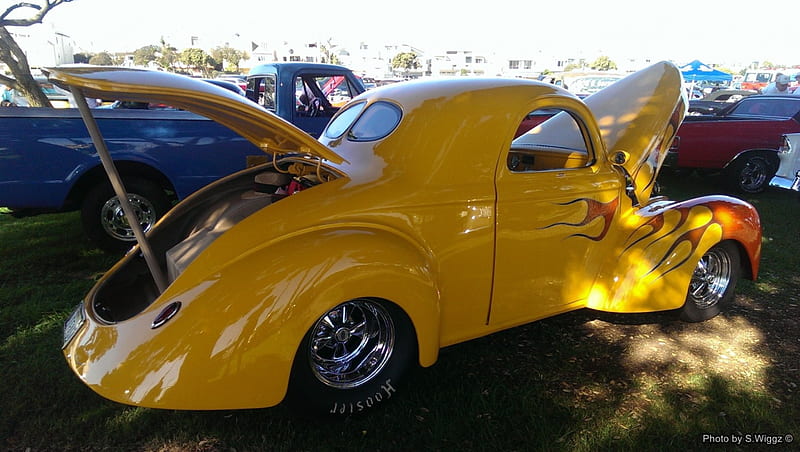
351, 343
711, 278
113, 220
753, 175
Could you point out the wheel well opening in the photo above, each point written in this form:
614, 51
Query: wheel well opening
393, 307
126, 169
770, 155
744, 260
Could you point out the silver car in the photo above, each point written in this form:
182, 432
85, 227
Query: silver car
788, 175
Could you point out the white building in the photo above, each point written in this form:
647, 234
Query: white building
366, 59
43, 45
459, 63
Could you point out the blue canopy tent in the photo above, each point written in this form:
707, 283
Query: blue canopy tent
700, 72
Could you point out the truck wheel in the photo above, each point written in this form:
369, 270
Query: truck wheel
750, 174
713, 282
104, 221
352, 359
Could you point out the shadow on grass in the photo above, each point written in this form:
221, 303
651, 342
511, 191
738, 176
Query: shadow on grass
559, 384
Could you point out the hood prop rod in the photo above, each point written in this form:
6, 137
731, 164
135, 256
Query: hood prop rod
119, 189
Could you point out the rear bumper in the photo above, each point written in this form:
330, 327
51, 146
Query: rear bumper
786, 183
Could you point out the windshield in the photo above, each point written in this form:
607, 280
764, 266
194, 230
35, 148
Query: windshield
759, 77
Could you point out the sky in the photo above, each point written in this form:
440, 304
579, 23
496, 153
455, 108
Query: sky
669, 30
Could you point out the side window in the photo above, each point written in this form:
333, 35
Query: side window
308, 98
549, 139
780, 108
261, 90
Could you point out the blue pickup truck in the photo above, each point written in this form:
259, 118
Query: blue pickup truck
48, 163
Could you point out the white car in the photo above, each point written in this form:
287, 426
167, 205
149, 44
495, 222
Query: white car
788, 175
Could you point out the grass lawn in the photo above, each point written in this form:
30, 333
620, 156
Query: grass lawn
582, 381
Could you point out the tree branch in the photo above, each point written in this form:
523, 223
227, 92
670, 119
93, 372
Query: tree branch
35, 19
8, 81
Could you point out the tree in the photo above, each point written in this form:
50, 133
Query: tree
197, 59
13, 56
228, 57
163, 55
604, 63
405, 61
328, 56
144, 55
102, 59
166, 56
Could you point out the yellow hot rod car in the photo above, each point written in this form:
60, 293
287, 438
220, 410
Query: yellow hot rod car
416, 221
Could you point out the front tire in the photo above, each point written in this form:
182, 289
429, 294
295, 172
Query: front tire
352, 359
713, 283
104, 221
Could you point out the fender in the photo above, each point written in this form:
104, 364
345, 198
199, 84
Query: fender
239, 325
770, 154
665, 240
84, 178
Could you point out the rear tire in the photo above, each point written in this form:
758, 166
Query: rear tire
352, 359
104, 221
713, 283
750, 174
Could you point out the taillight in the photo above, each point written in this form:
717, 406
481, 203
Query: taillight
166, 314
784, 147
676, 142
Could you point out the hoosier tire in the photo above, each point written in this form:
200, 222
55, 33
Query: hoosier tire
352, 359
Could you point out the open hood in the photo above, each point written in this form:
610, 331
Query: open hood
638, 117
269, 132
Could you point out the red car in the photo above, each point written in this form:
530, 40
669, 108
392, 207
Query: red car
741, 140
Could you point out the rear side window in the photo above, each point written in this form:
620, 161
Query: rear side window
776, 107
374, 123
261, 90
553, 139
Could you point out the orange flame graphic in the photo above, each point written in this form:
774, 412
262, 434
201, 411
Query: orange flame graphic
690, 236
594, 209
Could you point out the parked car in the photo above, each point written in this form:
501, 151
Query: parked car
717, 100
50, 165
757, 79
741, 140
237, 79
305, 94
588, 85
131, 105
788, 175
58, 97
413, 223
228, 84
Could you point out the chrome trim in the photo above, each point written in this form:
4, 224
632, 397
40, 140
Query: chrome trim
710, 279
785, 183
351, 343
